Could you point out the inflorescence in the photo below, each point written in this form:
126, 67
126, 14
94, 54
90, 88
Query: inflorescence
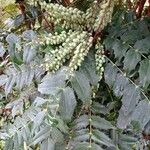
76, 39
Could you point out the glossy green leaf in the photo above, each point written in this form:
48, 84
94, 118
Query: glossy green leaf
89, 69
29, 53
29, 35
143, 45
110, 74
81, 85
52, 83
101, 138
132, 58
67, 103
2, 50
131, 96
144, 73
142, 113
119, 49
120, 84
101, 123
47, 144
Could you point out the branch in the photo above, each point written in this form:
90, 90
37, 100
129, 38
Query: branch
66, 2
129, 4
139, 8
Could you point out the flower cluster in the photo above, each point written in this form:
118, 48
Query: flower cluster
53, 39
66, 50
81, 51
97, 16
100, 60
91, 14
68, 17
105, 14
75, 44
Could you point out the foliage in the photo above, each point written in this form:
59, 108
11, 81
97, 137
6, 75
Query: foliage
75, 77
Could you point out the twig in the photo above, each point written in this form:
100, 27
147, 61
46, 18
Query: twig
139, 8
129, 4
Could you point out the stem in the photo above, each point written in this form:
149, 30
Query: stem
90, 128
66, 2
139, 8
120, 2
129, 4
148, 11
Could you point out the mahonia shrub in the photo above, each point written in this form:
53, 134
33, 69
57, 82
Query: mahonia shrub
74, 75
